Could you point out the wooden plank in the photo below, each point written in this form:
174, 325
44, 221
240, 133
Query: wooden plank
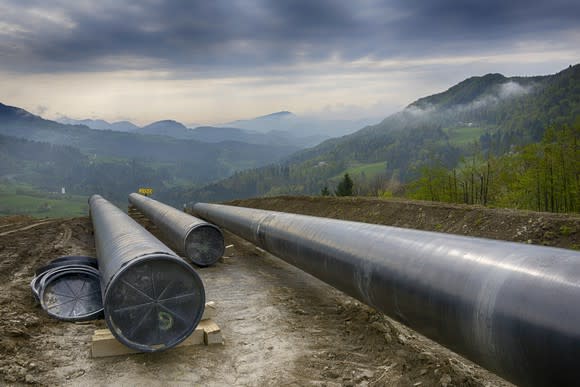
209, 312
207, 332
211, 332
104, 344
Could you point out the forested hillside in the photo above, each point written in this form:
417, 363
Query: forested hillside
481, 117
542, 176
490, 140
19, 123
48, 155
48, 168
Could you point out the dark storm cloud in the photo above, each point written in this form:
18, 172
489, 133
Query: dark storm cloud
484, 20
245, 35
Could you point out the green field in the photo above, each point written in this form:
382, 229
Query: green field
369, 170
23, 200
464, 135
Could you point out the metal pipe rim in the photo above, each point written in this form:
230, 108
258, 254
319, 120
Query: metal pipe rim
71, 293
204, 244
154, 302
67, 261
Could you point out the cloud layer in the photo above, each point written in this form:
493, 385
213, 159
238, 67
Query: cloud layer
240, 35
256, 44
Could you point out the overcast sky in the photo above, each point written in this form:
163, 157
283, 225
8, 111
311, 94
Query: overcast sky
212, 61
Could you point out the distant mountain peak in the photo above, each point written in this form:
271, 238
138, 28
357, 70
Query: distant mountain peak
280, 114
13, 112
172, 122
99, 124
469, 91
492, 76
166, 128
165, 124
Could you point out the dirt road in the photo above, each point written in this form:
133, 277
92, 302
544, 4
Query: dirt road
281, 327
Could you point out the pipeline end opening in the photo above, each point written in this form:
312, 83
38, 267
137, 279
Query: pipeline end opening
154, 302
204, 245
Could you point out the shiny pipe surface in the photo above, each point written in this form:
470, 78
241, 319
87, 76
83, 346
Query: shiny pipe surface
152, 299
200, 241
512, 308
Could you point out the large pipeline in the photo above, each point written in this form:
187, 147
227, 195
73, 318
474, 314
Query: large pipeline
512, 308
152, 299
201, 242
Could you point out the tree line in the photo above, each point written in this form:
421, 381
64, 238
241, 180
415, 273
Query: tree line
543, 176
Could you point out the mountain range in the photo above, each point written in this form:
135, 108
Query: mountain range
119, 126
487, 114
285, 121
271, 130
166, 161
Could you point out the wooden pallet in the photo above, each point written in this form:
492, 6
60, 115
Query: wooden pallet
104, 344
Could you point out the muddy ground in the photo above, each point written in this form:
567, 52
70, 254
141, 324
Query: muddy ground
281, 326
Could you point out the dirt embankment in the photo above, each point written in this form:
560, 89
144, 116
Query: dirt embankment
559, 230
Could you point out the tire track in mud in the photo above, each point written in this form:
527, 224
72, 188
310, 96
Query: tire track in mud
11, 226
22, 248
12, 220
26, 332
63, 238
28, 227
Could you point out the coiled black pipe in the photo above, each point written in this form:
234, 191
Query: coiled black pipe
512, 308
201, 242
152, 299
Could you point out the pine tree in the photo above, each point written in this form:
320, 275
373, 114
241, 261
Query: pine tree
345, 187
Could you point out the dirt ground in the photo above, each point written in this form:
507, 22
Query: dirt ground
281, 326
540, 228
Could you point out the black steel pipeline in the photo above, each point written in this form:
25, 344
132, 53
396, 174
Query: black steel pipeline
201, 242
152, 299
510, 307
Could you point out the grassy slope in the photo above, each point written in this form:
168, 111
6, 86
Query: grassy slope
368, 170
464, 135
459, 136
23, 200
